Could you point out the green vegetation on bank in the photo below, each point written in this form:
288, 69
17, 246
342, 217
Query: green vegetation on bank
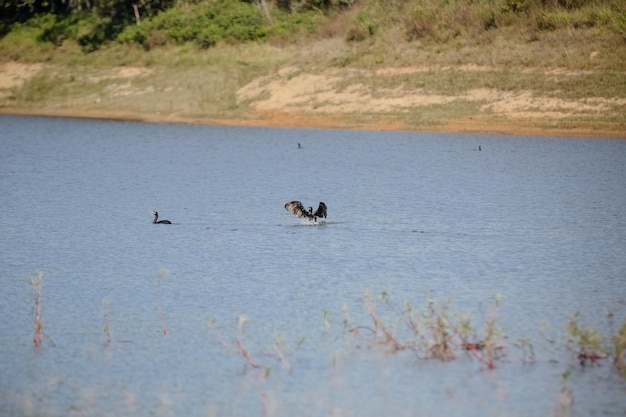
154, 23
192, 58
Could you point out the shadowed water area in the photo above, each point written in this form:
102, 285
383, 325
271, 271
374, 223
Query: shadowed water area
126, 304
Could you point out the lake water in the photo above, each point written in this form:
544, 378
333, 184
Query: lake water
126, 304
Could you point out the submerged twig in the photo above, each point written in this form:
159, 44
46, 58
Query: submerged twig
106, 327
36, 282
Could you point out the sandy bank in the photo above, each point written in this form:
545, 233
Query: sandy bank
331, 99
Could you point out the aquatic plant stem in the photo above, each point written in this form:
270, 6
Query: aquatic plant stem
380, 326
36, 282
240, 348
279, 354
106, 327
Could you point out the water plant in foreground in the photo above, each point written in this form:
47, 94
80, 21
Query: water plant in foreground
619, 343
525, 345
237, 346
435, 333
106, 327
36, 282
619, 346
439, 333
489, 348
587, 343
565, 399
591, 347
279, 350
389, 336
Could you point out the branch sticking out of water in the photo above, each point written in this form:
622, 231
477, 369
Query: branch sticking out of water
106, 327
36, 282
486, 351
279, 348
279, 351
619, 344
238, 346
379, 326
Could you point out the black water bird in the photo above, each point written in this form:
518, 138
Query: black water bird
321, 210
296, 208
156, 219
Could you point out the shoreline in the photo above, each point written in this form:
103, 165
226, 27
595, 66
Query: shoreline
275, 119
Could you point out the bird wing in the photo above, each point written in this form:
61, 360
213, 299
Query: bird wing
296, 208
321, 210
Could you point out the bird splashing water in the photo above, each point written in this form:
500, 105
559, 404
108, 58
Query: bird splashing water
296, 208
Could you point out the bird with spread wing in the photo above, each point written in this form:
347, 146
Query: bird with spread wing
296, 208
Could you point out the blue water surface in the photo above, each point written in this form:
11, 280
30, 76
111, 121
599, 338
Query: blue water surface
144, 320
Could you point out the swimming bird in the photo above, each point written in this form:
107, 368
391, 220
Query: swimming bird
156, 217
296, 208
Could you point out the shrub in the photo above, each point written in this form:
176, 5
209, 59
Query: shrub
598, 17
420, 23
569, 4
553, 21
134, 34
489, 20
621, 23
363, 27
204, 25
516, 6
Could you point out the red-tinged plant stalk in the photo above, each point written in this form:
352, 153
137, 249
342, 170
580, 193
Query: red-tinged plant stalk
589, 342
379, 327
492, 345
390, 338
243, 320
106, 327
36, 282
438, 323
239, 347
619, 343
279, 348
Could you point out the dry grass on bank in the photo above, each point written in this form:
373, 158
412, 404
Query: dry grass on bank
562, 82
